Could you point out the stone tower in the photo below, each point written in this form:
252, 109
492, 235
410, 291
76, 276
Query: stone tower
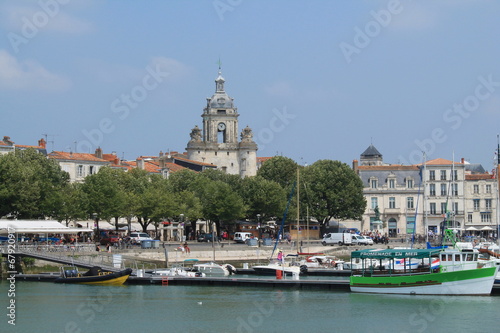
217, 143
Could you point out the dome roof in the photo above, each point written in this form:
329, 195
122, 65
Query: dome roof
221, 100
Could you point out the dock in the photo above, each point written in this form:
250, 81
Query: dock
289, 283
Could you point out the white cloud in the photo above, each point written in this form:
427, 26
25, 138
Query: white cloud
28, 75
415, 16
174, 68
18, 18
280, 89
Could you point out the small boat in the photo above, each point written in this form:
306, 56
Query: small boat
177, 271
458, 272
289, 266
95, 275
214, 269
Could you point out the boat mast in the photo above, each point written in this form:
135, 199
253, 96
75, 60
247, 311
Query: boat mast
298, 208
498, 189
423, 179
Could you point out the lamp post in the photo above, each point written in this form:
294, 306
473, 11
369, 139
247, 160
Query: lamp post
260, 230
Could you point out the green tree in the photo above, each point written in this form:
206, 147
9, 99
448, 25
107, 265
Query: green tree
282, 170
29, 184
71, 201
104, 195
333, 190
264, 197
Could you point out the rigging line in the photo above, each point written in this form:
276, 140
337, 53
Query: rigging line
280, 232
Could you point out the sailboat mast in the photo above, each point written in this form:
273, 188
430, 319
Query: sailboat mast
298, 208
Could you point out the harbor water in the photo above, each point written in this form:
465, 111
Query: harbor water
49, 307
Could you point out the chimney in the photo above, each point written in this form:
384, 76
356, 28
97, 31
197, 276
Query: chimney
355, 166
462, 160
42, 143
98, 153
161, 153
140, 163
6, 139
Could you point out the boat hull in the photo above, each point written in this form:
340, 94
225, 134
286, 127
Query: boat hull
109, 279
465, 282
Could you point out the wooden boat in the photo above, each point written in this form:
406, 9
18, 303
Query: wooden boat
460, 272
95, 275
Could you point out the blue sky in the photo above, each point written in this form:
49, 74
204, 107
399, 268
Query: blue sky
313, 79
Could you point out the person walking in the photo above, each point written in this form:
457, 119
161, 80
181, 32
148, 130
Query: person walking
186, 247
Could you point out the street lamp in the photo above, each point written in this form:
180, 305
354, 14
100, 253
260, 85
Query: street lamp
258, 227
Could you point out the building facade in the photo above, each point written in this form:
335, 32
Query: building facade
425, 198
217, 143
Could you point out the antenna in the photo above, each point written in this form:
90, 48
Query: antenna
47, 139
498, 150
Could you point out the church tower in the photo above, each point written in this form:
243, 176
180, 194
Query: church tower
217, 143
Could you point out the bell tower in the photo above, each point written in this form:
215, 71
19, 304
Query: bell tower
217, 142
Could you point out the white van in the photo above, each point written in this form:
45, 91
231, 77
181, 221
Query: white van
339, 238
241, 237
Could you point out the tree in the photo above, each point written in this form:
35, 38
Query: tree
333, 191
29, 184
264, 197
104, 194
282, 170
71, 204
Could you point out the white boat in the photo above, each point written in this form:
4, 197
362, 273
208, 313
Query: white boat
177, 271
214, 269
289, 266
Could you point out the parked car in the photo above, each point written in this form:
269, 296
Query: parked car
138, 237
206, 237
367, 240
242, 237
358, 240
110, 239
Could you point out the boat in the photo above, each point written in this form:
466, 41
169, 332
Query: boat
95, 275
214, 269
458, 272
176, 271
288, 266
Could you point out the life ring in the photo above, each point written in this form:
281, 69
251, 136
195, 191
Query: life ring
303, 269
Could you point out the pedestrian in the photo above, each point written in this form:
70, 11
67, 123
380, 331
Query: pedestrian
280, 257
108, 247
186, 247
97, 248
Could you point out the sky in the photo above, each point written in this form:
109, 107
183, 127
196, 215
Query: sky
313, 79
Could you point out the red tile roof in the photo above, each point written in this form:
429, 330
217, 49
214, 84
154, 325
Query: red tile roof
440, 161
62, 155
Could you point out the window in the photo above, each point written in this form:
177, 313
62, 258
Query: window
243, 164
373, 183
443, 174
455, 208
488, 203
409, 183
443, 190
374, 202
79, 171
469, 218
392, 202
455, 175
392, 183
432, 190
476, 189
432, 175
454, 189
91, 170
488, 188
485, 217
443, 207
476, 204
432, 208
409, 202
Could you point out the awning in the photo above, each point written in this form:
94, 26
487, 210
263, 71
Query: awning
471, 228
37, 227
486, 228
394, 253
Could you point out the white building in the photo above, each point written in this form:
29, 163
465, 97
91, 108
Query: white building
217, 143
